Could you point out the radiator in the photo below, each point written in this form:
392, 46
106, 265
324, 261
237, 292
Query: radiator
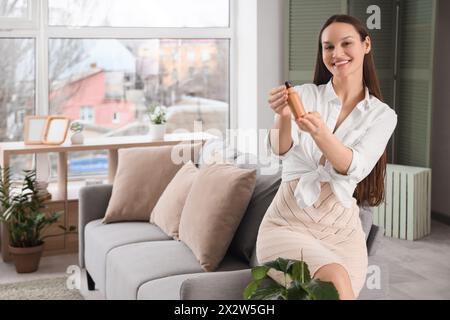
406, 211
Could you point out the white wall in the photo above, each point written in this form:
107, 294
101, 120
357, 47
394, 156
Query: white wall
271, 49
440, 199
260, 63
247, 80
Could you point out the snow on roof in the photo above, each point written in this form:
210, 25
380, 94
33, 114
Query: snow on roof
105, 54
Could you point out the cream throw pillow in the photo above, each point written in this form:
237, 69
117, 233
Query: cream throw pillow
142, 175
167, 212
213, 210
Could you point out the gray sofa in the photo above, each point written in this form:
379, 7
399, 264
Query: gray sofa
136, 260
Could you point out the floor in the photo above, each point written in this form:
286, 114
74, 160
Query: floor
51, 267
400, 269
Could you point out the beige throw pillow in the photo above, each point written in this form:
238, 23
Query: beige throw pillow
167, 212
213, 210
142, 175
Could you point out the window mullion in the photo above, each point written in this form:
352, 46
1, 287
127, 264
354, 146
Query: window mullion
42, 107
33, 12
42, 61
18, 33
138, 33
233, 121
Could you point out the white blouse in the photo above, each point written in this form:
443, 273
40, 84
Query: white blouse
366, 131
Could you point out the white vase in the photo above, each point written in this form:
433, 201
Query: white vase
157, 131
77, 138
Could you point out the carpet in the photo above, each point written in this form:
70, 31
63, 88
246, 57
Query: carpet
42, 289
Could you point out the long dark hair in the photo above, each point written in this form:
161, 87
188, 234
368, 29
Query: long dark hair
370, 191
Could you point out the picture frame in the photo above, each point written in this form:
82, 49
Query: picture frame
34, 129
56, 130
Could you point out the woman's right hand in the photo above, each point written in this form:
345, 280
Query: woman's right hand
278, 101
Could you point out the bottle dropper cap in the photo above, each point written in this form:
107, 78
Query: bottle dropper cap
287, 84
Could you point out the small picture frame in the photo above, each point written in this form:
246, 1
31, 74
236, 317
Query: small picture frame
56, 130
34, 129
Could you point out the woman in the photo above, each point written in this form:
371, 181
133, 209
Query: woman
334, 159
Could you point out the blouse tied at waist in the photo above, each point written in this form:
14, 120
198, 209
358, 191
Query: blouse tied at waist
308, 188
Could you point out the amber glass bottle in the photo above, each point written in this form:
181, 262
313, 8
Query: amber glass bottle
294, 102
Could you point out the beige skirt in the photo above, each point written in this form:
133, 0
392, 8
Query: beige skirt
325, 233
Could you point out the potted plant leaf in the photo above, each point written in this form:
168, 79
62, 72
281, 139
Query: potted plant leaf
298, 283
23, 212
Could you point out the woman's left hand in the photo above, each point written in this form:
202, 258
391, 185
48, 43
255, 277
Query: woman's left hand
312, 123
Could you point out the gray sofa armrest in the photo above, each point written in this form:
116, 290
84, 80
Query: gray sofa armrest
93, 202
374, 239
223, 285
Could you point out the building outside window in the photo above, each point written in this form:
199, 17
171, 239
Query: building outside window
87, 114
116, 117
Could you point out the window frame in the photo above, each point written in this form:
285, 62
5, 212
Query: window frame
28, 22
42, 33
36, 27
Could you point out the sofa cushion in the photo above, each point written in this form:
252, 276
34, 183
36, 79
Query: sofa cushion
142, 175
128, 267
267, 184
167, 212
101, 238
213, 210
169, 288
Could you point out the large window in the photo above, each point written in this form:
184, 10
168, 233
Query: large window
188, 76
106, 62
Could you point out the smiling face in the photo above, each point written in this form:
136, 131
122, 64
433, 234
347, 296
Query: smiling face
342, 49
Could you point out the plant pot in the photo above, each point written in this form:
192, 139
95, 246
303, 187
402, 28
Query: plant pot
77, 138
26, 260
157, 131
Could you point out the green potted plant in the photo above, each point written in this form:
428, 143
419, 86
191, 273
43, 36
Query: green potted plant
158, 118
22, 211
298, 283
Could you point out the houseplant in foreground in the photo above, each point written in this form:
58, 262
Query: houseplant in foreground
22, 210
298, 283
